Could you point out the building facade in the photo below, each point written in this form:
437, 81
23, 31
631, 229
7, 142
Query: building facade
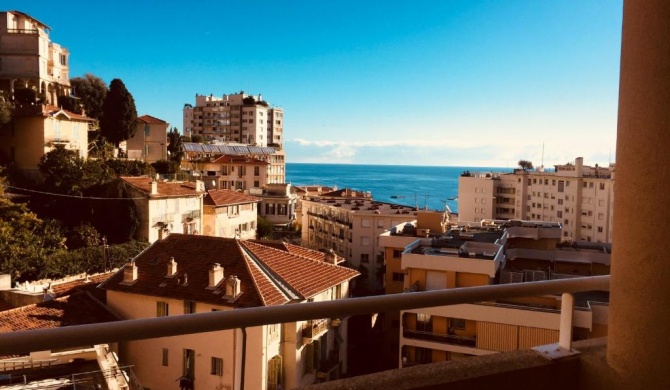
579, 197
36, 130
182, 275
349, 222
230, 214
278, 204
149, 144
238, 117
197, 156
166, 207
28, 58
486, 255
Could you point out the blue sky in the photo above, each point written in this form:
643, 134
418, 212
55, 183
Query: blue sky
469, 83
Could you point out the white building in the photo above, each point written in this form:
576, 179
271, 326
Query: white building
579, 197
237, 117
230, 214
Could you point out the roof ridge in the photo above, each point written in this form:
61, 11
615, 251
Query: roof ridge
285, 285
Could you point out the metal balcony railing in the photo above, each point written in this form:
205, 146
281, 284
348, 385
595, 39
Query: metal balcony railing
147, 328
315, 328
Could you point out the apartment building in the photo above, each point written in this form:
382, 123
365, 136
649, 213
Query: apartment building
490, 254
149, 144
579, 197
166, 207
196, 156
37, 130
182, 275
349, 222
230, 214
234, 172
29, 59
237, 117
278, 204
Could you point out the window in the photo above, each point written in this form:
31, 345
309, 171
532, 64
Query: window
162, 309
602, 186
365, 222
365, 258
257, 171
559, 214
281, 209
257, 183
63, 59
217, 366
380, 223
274, 373
590, 184
189, 307
165, 356
397, 253
398, 277
561, 186
600, 229
365, 240
188, 364
456, 323
269, 208
560, 201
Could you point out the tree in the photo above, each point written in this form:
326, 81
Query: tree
62, 170
70, 103
6, 108
264, 228
197, 138
92, 92
175, 146
119, 115
525, 165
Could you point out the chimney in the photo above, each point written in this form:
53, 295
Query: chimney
171, 268
331, 257
579, 166
215, 275
154, 187
232, 287
129, 273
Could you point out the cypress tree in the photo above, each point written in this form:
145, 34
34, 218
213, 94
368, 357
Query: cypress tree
119, 115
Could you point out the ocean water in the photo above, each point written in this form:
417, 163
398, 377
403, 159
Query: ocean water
432, 187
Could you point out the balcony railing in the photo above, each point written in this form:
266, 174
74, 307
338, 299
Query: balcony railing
315, 328
148, 328
439, 338
22, 30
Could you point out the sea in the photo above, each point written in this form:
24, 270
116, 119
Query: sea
416, 186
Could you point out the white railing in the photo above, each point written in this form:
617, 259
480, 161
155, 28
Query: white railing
148, 328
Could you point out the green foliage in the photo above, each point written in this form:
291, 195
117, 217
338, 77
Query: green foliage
264, 228
62, 170
198, 139
70, 103
129, 167
525, 164
92, 92
119, 115
165, 166
249, 100
175, 146
82, 236
25, 96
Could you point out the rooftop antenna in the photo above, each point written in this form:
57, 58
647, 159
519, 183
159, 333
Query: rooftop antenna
543, 155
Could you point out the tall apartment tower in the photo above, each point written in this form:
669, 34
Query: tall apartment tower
578, 196
28, 58
238, 117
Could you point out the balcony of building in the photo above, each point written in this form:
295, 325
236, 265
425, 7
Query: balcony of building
314, 329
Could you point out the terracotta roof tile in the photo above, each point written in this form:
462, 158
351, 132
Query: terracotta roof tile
228, 197
53, 110
305, 275
174, 189
84, 283
76, 309
151, 120
237, 159
248, 261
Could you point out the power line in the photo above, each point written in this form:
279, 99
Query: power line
70, 196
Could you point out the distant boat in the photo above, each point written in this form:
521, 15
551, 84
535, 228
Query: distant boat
453, 198
397, 197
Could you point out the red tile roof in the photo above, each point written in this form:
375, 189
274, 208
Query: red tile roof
238, 159
228, 197
268, 276
76, 309
173, 189
151, 120
84, 283
53, 110
305, 275
347, 193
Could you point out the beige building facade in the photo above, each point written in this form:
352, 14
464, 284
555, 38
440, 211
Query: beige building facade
579, 197
36, 130
237, 117
29, 59
349, 222
149, 144
524, 252
278, 203
230, 214
182, 275
166, 207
